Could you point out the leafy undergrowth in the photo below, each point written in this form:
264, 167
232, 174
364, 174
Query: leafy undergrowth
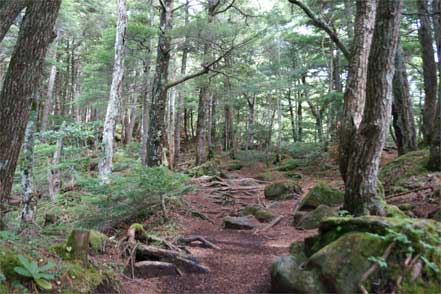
34, 256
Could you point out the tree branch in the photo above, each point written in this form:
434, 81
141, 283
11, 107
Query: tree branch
323, 26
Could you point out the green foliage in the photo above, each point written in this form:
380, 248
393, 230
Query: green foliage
30, 269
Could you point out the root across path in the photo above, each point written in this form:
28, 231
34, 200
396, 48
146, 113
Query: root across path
238, 260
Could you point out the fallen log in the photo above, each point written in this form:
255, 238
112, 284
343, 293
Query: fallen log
191, 239
186, 263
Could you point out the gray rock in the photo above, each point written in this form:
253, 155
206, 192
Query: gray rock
238, 223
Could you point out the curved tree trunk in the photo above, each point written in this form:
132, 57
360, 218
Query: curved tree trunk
354, 97
361, 181
22, 77
114, 105
402, 112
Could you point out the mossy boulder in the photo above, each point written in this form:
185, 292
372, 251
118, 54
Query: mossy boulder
238, 223
335, 260
311, 219
395, 173
282, 190
290, 164
294, 175
97, 241
343, 262
261, 214
321, 193
234, 165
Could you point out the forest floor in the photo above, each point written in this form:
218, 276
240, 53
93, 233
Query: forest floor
242, 263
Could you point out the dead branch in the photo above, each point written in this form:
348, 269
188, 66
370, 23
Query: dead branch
191, 239
271, 224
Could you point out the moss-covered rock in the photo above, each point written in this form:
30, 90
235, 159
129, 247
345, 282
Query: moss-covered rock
293, 175
209, 168
282, 190
396, 172
82, 279
311, 219
261, 214
234, 165
97, 241
343, 262
321, 193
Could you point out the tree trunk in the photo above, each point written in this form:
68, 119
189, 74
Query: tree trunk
361, 183
9, 10
435, 146
27, 213
180, 119
429, 70
145, 119
47, 105
402, 112
54, 178
114, 105
250, 125
159, 89
354, 98
292, 117
279, 131
299, 121
23, 76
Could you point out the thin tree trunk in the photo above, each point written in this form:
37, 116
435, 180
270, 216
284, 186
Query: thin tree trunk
54, 178
361, 183
47, 105
145, 112
429, 70
250, 125
114, 104
22, 77
27, 213
180, 119
355, 93
299, 121
402, 112
280, 129
9, 10
435, 146
159, 89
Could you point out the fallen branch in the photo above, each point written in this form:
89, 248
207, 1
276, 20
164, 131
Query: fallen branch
271, 224
191, 239
374, 268
391, 197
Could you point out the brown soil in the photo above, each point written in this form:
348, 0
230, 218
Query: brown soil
242, 264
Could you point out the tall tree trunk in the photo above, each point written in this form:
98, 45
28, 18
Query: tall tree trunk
180, 119
355, 93
145, 119
402, 112
429, 70
299, 121
292, 117
361, 183
9, 10
47, 105
27, 213
159, 89
250, 124
435, 146
114, 104
54, 178
23, 76
280, 130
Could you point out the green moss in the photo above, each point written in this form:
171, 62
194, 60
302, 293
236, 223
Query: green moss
97, 241
263, 215
312, 219
394, 173
84, 279
282, 190
209, 168
321, 193
293, 175
290, 164
235, 165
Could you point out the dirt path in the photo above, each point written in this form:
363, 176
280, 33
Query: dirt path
242, 264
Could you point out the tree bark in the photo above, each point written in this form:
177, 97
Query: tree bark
429, 70
47, 105
54, 178
159, 89
147, 91
114, 104
402, 112
354, 98
24, 73
361, 183
435, 146
9, 10
250, 124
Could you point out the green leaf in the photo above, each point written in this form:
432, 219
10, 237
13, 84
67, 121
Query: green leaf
43, 284
47, 266
23, 271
